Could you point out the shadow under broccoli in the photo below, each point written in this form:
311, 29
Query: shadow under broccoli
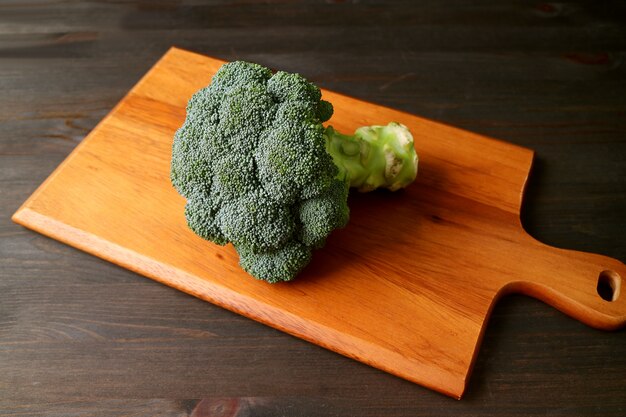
259, 170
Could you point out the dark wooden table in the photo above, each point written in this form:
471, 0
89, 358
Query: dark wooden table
80, 336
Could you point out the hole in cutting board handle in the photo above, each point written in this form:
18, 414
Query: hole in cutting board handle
609, 283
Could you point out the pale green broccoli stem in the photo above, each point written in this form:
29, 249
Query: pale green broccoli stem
374, 157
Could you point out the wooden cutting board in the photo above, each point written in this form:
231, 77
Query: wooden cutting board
406, 287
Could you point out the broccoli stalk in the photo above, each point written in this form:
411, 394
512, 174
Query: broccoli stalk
259, 170
374, 157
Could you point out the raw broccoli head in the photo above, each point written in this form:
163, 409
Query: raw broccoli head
259, 170
251, 161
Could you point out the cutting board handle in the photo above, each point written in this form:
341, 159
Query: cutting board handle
588, 287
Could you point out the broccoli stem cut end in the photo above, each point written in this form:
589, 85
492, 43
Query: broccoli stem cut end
374, 156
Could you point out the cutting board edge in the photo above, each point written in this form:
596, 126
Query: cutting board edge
437, 379
87, 138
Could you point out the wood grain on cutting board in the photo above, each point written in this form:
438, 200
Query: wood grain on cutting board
406, 287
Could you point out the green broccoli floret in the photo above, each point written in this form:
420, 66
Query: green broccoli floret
260, 171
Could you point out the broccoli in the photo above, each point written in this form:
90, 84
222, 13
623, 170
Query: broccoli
259, 170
